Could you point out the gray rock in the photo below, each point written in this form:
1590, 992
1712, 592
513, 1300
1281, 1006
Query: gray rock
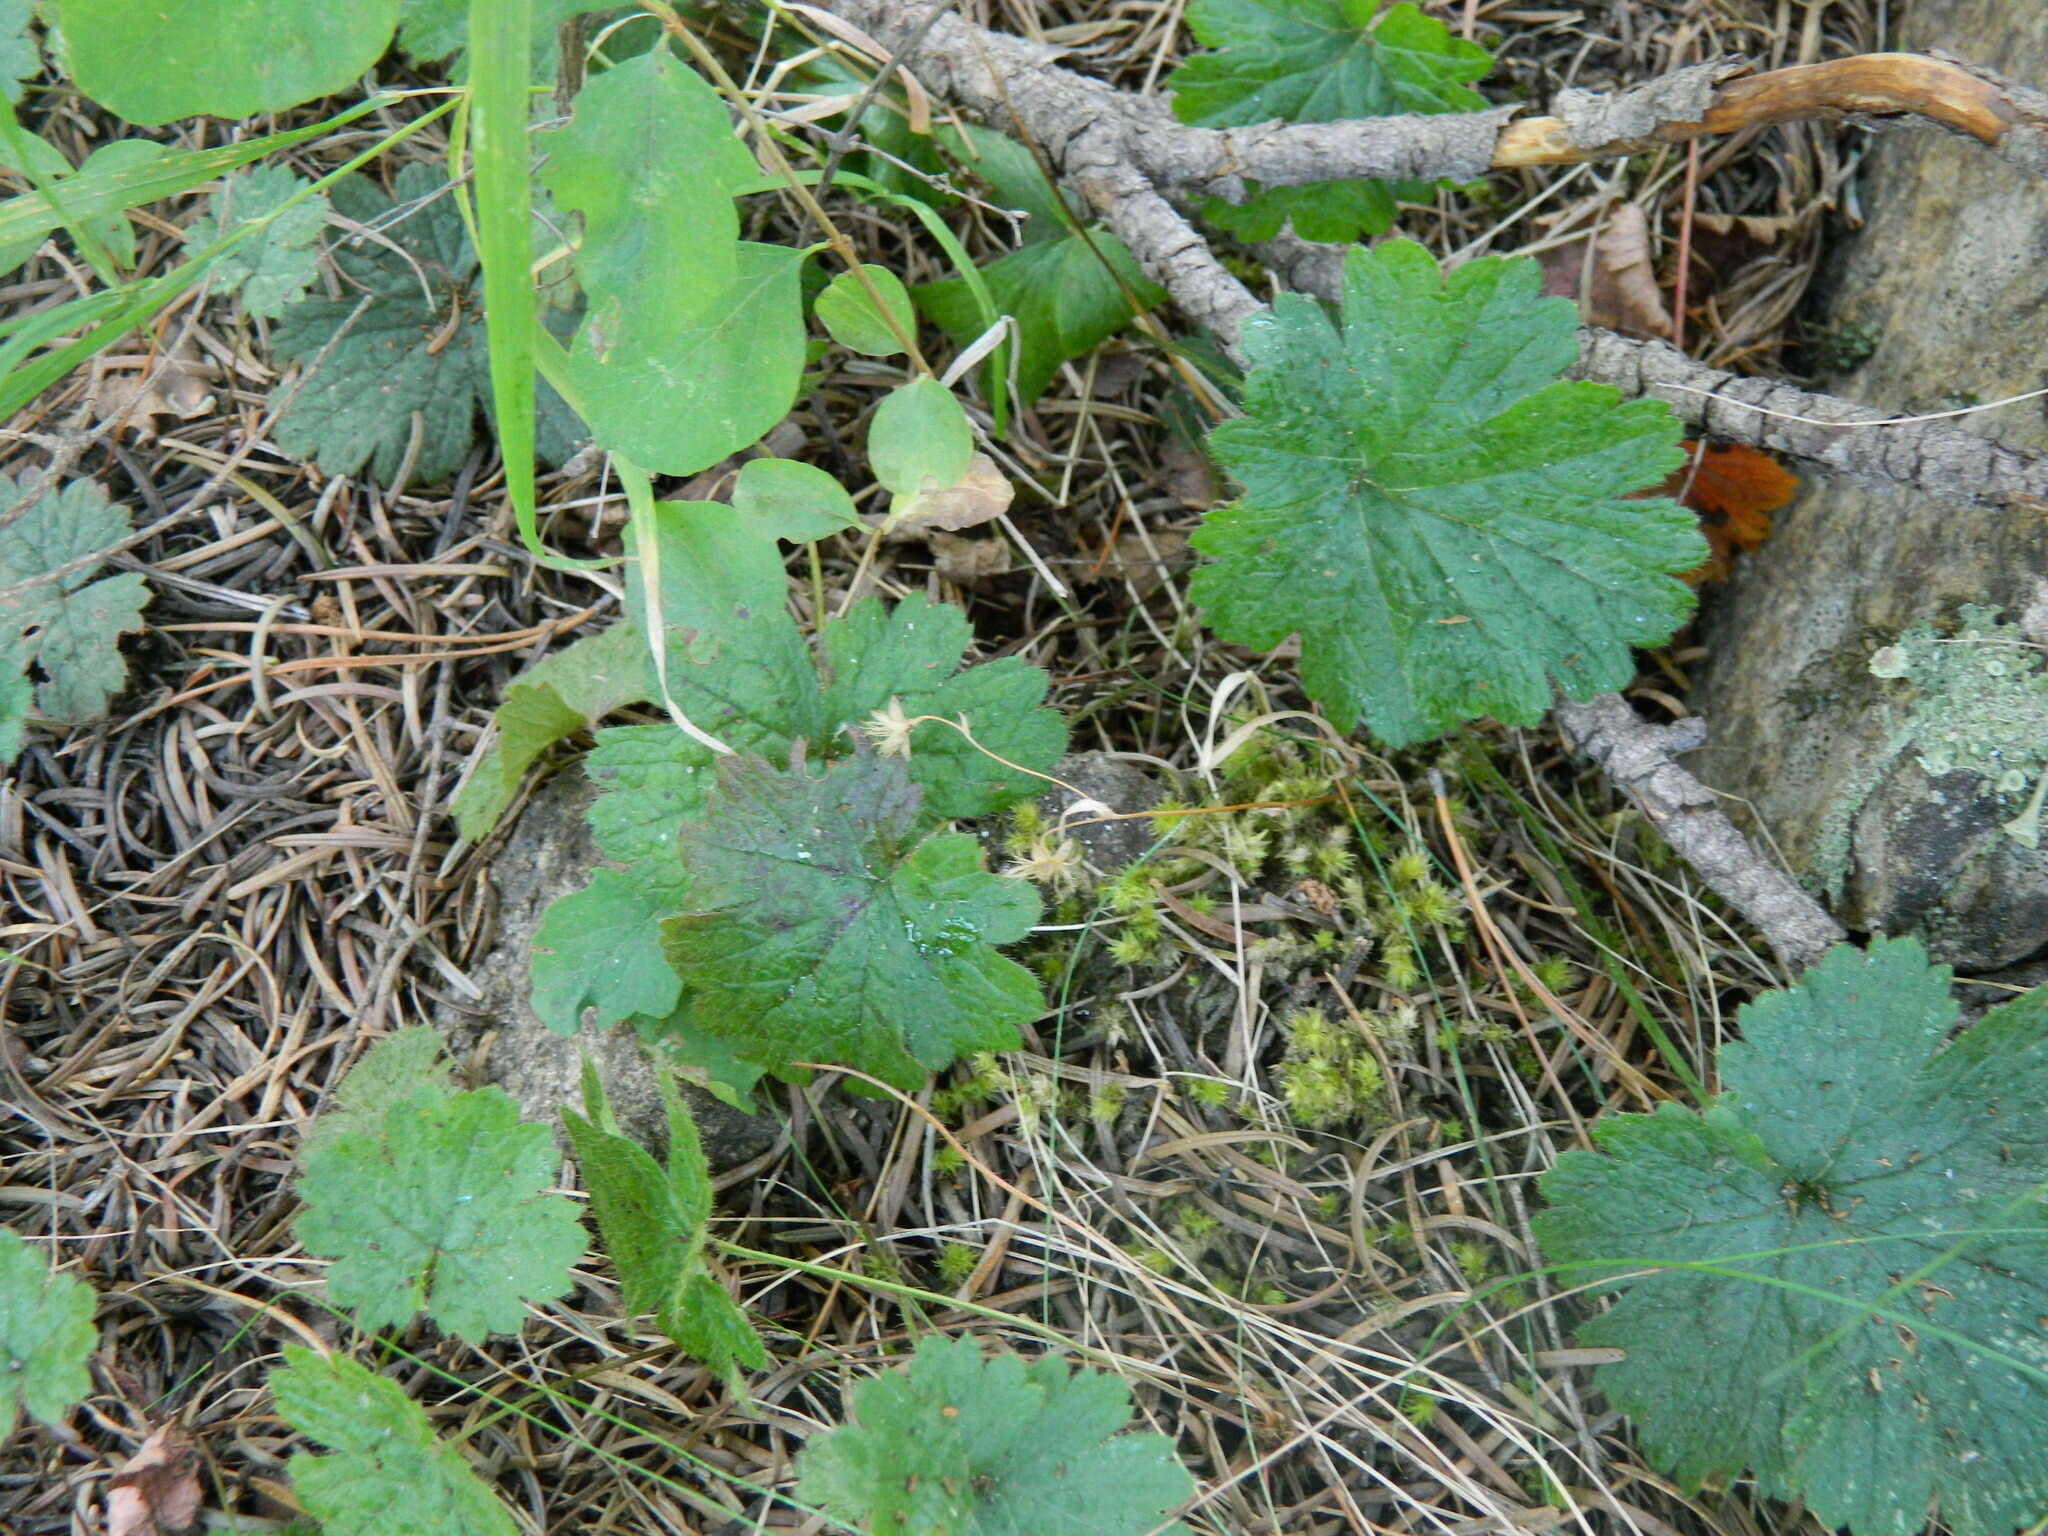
1119, 784
1948, 283
548, 854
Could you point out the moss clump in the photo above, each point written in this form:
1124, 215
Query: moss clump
1330, 1077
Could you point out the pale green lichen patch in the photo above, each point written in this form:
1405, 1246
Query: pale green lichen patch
1978, 704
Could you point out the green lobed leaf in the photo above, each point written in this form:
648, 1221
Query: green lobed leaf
820, 928
1437, 515
681, 397
919, 433
654, 1228
46, 1336
16, 693
1319, 61
847, 311
599, 948
911, 654
275, 267
959, 1445
1849, 1252
1065, 301
432, 1201
650, 164
69, 627
221, 58
557, 696
388, 1476
404, 340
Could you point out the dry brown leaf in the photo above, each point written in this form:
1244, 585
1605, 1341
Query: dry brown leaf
1617, 288
981, 496
968, 562
177, 383
1190, 477
156, 1491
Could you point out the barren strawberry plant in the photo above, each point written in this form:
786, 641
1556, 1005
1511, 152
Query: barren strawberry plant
1052, 644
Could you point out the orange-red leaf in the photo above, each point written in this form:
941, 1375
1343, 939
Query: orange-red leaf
1734, 490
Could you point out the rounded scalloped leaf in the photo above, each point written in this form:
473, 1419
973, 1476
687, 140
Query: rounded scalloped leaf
1443, 522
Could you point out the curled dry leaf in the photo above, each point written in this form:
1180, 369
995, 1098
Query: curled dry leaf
156, 1491
979, 496
1616, 289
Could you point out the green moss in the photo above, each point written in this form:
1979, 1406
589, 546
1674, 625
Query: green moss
1974, 702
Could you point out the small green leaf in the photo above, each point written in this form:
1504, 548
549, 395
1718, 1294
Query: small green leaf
654, 1227
69, 627
919, 433
20, 59
389, 1476
110, 165
792, 501
957, 1445
599, 948
557, 696
650, 162
403, 342
820, 929
1065, 300
848, 312
1439, 518
46, 1336
220, 58
678, 399
1318, 61
1848, 1254
911, 654
427, 1201
275, 267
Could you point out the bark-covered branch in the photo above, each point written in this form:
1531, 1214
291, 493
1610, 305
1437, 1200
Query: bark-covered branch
1638, 758
1942, 460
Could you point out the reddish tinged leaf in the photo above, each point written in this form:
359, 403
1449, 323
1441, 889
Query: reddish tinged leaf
1734, 490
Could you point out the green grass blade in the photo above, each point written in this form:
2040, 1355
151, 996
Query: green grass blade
499, 45
33, 215
136, 304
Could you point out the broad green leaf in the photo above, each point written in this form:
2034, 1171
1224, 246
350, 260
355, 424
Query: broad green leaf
716, 571
68, 627
600, 948
1439, 518
849, 313
399, 1066
1065, 301
19, 57
651, 779
273, 268
16, 693
958, 1445
788, 500
436, 1202
46, 1336
919, 433
403, 341
1318, 61
1848, 1254
388, 1476
654, 1223
650, 163
220, 58
679, 398
820, 929
911, 654
559, 695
